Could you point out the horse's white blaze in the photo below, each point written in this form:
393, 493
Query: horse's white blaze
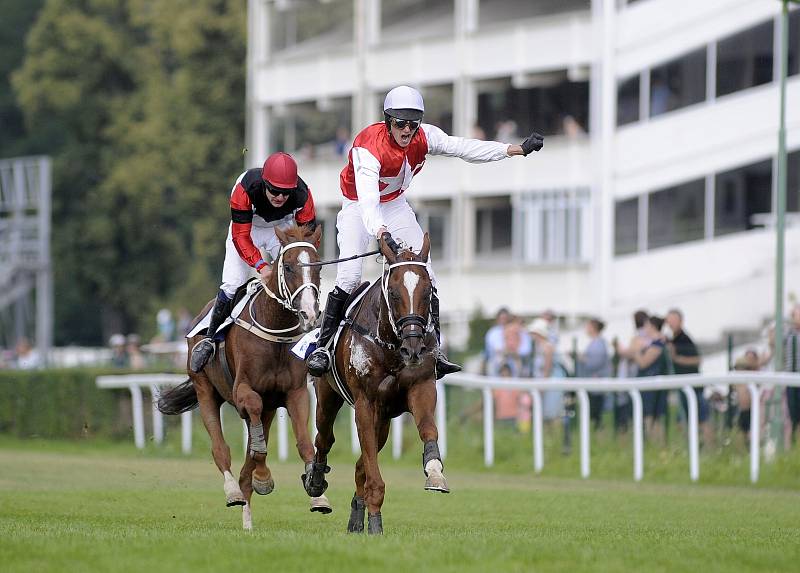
359, 359
410, 280
307, 299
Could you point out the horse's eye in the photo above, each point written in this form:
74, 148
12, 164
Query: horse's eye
394, 296
289, 269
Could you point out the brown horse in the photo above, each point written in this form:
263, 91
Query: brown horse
384, 365
266, 375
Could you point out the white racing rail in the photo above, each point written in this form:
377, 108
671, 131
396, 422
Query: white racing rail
755, 381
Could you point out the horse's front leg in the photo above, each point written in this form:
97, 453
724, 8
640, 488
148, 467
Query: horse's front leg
328, 405
210, 403
250, 404
374, 488
357, 505
247, 478
422, 404
298, 408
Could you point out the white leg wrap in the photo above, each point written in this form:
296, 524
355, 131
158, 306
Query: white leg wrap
434, 467
247, 517
231, 486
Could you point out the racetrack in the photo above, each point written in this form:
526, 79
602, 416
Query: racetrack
116, 512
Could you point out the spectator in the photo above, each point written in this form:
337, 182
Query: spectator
595, 363
651, 361
552, 326
545, 365
748, 362
516, 347
506, 401
638, 341
342, 141
136, 360
27, 356
166, 325
686, 360
791, 351
494, 342
119, 357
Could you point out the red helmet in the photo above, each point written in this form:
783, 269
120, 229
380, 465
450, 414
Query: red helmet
280, 171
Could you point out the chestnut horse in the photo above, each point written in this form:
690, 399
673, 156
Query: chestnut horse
384, 366
266, 375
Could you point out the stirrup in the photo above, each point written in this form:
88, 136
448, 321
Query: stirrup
200, 357
314, 367
444, 366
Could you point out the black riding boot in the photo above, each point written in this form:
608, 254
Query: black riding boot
443, 365
319, 362
204, 349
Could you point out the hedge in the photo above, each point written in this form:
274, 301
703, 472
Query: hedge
63, 403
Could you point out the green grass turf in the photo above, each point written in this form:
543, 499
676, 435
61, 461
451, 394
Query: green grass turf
113, 509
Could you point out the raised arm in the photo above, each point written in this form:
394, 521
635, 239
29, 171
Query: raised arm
476, 150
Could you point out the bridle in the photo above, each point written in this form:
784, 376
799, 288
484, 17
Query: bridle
411, 319
285, 298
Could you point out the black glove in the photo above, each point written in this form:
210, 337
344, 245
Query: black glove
390, 242
533, 143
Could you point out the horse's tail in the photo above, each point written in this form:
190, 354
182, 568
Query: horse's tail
179, 399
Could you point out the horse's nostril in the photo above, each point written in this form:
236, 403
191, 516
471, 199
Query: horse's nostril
405, 352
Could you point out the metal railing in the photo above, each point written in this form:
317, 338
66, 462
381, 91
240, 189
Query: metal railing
755, 381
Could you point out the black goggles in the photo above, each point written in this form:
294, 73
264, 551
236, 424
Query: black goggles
403, 123
272, 190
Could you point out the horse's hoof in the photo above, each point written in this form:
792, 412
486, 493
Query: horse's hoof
321, 504
314, 479
437, 483
375, 524
356, 523
235, 500
263, 487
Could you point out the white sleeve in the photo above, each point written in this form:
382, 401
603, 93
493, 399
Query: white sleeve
367, 168
471, 150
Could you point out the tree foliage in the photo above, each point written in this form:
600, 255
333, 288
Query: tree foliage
148, 100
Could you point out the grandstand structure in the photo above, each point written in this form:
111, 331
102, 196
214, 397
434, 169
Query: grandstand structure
26, 283
656, 187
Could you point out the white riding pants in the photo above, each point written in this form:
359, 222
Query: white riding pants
354, 239
236, 272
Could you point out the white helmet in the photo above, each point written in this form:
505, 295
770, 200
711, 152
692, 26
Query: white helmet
404, 102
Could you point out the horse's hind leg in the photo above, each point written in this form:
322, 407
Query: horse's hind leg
357, 504
328, 405
422, 403
210, 402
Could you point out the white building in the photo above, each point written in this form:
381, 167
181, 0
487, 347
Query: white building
657, 181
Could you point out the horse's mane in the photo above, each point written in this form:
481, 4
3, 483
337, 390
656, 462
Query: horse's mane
296, 233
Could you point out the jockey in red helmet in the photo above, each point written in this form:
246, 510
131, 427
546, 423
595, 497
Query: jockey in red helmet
262, 198
384, 159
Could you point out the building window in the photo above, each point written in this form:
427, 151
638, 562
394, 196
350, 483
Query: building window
794, 42
435, 218
555, 226
678, 83
438, 106
793, 182
402, 20
497, 11
626, 226
329, 24
739, 195
745, 59
676, 215
313, 130
493, 227
628, 101
548, 102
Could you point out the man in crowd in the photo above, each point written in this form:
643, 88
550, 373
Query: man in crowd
686, 360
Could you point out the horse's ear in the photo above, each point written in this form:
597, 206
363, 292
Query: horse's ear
387, 252
316, 236
426, 248
281, 234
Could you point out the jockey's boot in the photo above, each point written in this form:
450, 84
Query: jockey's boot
204, 349
319, 362
443, 365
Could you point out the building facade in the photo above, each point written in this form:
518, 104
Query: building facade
656, 187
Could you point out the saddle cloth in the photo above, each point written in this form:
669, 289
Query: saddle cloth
202, 325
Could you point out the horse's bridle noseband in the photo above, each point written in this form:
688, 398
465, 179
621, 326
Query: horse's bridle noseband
410, 319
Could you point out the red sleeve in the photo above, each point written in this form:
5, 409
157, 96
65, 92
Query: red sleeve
241, 224
307, 214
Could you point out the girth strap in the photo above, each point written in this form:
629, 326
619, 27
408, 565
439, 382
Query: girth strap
223, 362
